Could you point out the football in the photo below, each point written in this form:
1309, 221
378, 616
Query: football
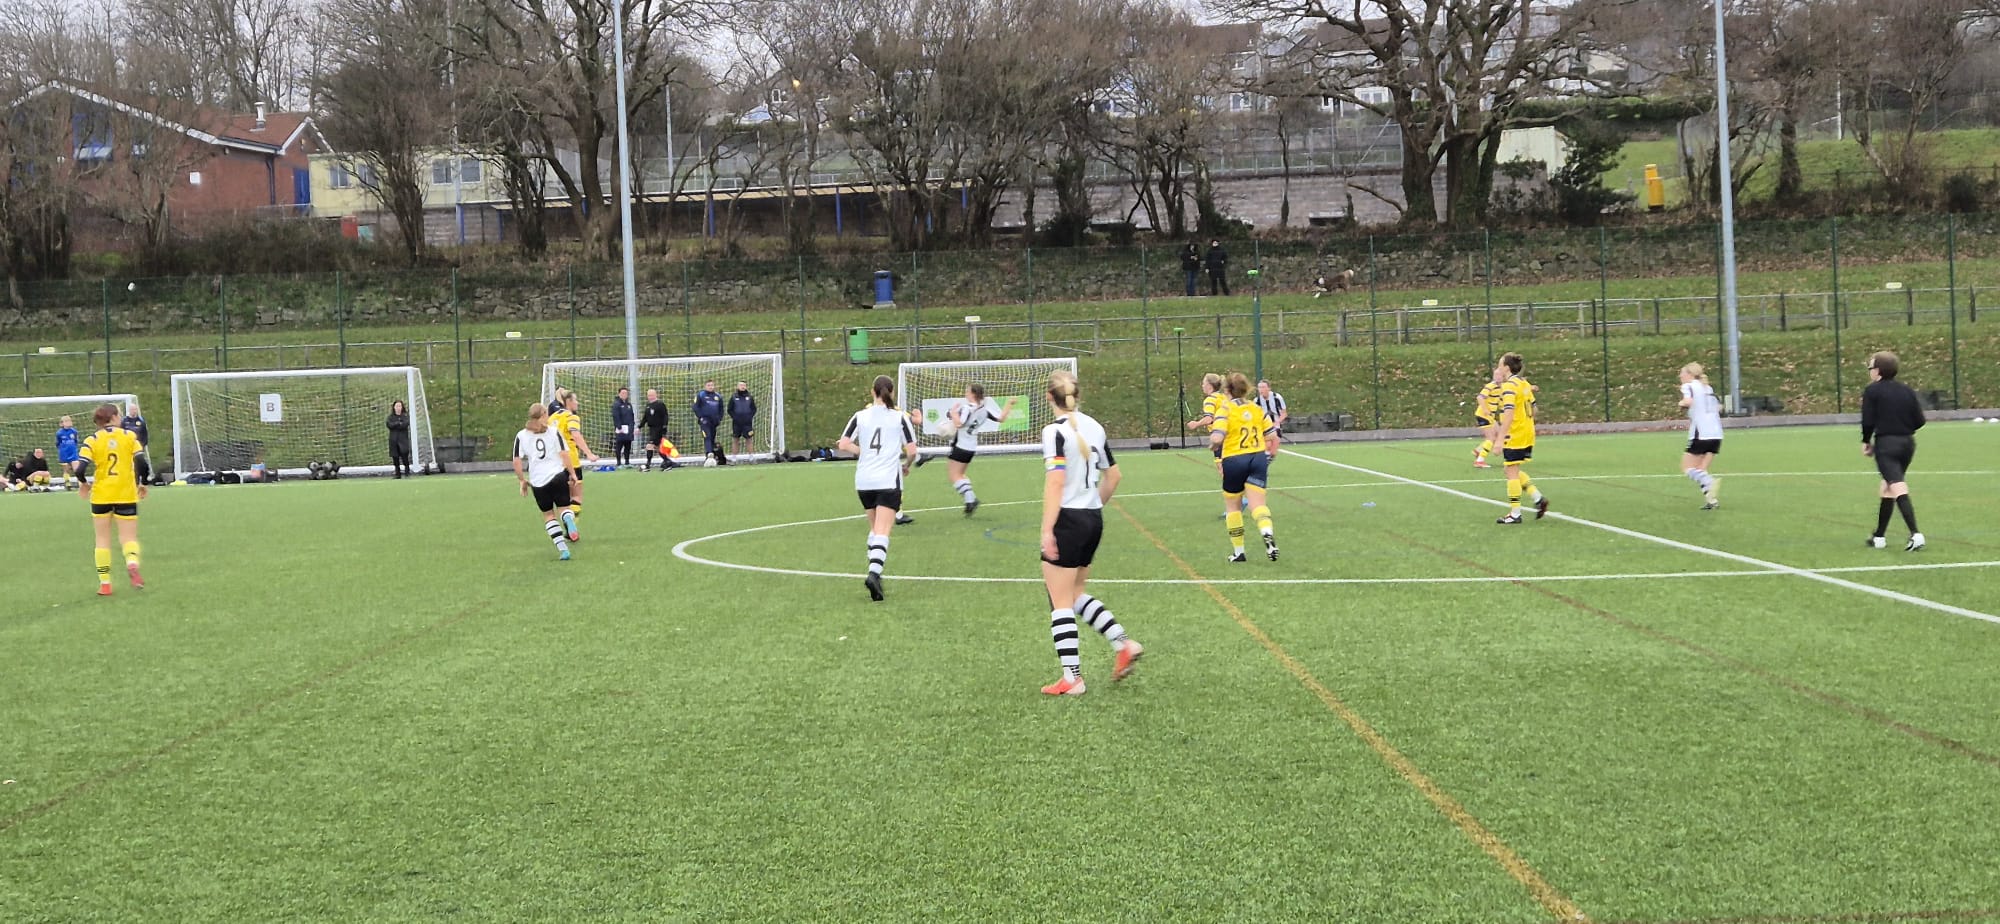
708, 462
947, 428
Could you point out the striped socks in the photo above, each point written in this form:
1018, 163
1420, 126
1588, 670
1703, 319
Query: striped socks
964, 487
878, 553
556, 535
1062, 627
1094, 612
1234, 520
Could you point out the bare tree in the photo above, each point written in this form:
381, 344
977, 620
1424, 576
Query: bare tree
239, 52
1454, 73
386, 99
1171, 81
40, 177
1900, 55
561, 56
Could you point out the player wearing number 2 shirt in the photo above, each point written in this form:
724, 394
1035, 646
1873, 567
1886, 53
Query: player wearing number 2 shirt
112, 466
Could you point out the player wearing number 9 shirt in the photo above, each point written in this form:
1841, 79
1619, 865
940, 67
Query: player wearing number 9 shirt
543, 462
884, 446
112, 466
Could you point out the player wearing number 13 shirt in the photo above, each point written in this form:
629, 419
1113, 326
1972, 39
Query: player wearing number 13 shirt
1081, 476
112, 466
544, 462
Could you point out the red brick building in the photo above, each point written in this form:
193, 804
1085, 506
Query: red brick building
141, 165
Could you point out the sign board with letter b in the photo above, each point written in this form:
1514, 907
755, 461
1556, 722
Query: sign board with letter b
271, 408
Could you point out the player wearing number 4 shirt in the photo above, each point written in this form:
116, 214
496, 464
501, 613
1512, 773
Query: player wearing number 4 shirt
1081, 477
884, 445
113, 470
544, 462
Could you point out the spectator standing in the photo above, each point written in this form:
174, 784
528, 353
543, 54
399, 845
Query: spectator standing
136, 423
399, 438
1273, 405
623, 426
655, 422
1218, 268
1191, 265
708, 415
742, 419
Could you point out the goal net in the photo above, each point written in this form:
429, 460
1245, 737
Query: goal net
1017, 386
27, 424
677, 379
232, 421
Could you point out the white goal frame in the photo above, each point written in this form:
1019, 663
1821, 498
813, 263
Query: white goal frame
598, 407
423, 445
934, 444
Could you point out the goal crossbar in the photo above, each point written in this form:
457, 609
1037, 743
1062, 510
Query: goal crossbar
349, 429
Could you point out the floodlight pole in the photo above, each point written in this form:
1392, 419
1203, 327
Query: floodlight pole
1180, 378
625, 200
1725, 177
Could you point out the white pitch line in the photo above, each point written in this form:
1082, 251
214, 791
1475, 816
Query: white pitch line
1684, 546
681, 552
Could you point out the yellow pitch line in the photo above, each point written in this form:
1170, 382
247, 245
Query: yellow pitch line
1551, 899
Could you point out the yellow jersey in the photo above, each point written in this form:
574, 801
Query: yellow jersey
115, 458
569, 425
1213, 405
1243, 425
1519, 396
1489, 401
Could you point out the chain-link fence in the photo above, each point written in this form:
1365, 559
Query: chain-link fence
1382, 331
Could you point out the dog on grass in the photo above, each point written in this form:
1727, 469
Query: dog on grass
1338, 282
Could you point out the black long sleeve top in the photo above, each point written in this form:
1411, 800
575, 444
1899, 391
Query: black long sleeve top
1890, 408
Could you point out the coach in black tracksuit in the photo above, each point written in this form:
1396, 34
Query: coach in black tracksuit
1890, 419
708, 415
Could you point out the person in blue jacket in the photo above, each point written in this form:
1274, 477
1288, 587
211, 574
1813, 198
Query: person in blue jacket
67, 451
742, 420
708, 414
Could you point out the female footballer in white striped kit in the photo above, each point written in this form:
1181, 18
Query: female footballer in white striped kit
1081, 477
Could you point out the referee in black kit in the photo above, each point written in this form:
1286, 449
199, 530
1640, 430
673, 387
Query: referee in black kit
1890, 419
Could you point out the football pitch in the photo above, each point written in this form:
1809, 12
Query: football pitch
386, 700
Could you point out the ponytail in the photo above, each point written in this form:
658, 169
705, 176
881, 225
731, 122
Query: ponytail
1062, 393
538, 418
885, 391
1694, 370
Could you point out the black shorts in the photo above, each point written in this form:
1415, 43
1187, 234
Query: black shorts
1251, 468
740, 429
552, 495
579, 472
1704, 447
128, 511
961, 456
1893, 455
1481, 421
653, 439
1077, 534
1523, 454
891, 498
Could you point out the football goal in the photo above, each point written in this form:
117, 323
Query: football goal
1016, 386
231, 421
27, 424
678, 379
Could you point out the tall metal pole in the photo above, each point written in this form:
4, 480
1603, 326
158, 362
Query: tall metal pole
1180, 378
104, 295
1838, 399
1257, 307
1146, 337
1951, 268
625, 200
1724, 176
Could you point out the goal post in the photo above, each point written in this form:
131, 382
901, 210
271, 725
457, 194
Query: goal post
27, 424
1017, 386
678, 379
226, 421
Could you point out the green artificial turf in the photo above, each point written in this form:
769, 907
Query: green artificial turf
386, 701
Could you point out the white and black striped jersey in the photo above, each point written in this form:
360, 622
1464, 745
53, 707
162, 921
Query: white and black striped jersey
881, 432
1705, 413
546, 454
971, 417
1273, 405
1061, 452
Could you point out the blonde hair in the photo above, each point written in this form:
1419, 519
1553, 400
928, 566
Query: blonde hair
1239, 385
1062, 393
538, 417
563, 397
1212, 382
1694, 371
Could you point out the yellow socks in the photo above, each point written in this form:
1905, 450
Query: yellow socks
103, 566
132, 553
1263, 517
1235, 521
1528, 485
1514, 492
1485, 446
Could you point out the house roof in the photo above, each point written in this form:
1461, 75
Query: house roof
208, 124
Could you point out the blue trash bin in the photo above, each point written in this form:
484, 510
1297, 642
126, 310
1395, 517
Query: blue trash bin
885, 289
